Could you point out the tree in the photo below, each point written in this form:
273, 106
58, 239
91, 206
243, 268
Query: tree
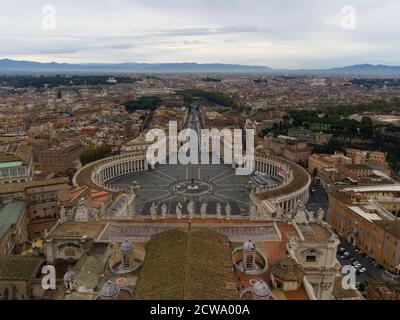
367, 126
142, 103
366, 122
331, 147
94, 153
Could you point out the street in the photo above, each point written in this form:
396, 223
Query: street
318, 199
373, 273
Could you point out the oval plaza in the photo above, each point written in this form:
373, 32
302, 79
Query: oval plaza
271, 192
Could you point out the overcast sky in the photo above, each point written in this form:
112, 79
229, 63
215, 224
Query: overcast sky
275, 33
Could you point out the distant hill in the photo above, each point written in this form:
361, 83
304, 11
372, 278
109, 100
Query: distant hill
13, 66
7, 65
356, 70
367, 69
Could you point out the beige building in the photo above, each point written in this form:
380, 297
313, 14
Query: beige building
43, 199
314, 248
290, 148
366, 224
52, 156
138, 144
341, 170
374, 159
16, 164
13, 125
13, 227
317, 162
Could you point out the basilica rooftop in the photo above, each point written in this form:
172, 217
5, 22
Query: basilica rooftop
187, 265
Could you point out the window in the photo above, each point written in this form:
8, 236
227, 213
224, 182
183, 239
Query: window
311, 258
126, 262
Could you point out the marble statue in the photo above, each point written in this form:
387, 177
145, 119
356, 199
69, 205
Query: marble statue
219, 211
82, 212
153, 211
190, 209
179, 211
228, 210
203, 210
164, 211
70, 215
300, 204
300, 216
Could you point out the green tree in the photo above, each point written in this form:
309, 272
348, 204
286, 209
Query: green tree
94, 153
367, 122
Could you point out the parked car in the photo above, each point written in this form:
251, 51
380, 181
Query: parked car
362, 270
345, 257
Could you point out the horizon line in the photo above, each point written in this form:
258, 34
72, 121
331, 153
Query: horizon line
199, 63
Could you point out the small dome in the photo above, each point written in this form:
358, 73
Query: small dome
261, 289
109, 290
127, 246
288, 270
69, 276
249, 246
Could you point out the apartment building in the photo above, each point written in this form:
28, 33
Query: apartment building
290, 148
368, 225
13, 227
43, 200
16, 164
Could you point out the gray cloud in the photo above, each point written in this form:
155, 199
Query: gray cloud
280, 34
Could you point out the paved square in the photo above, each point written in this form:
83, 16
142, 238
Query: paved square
170, 184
